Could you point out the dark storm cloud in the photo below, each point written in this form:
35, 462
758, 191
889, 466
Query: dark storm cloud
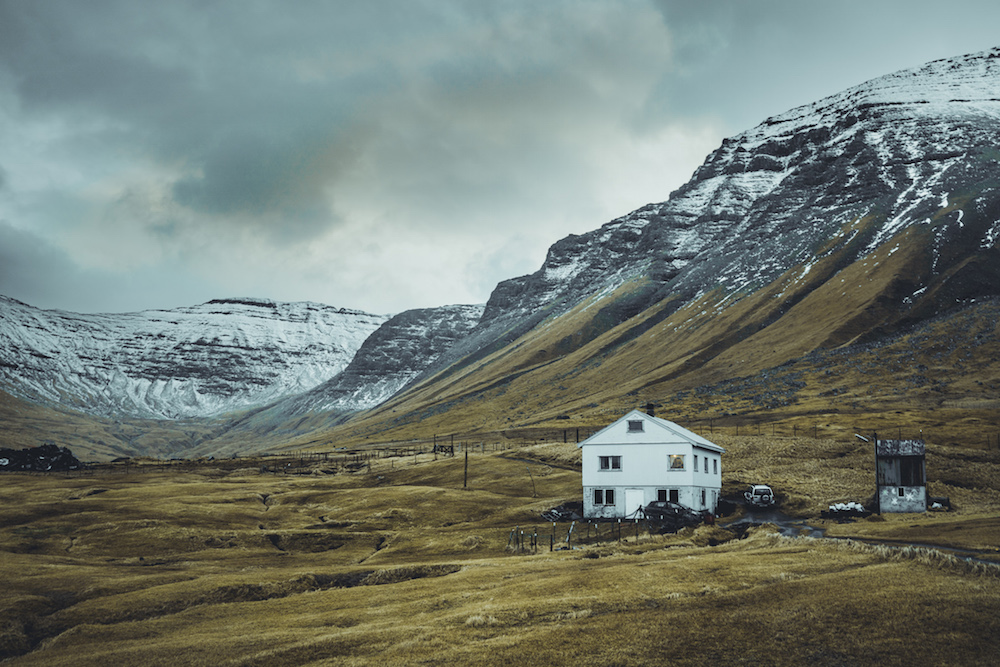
746, 61
34, 272
374, 153
41, 275
219, 89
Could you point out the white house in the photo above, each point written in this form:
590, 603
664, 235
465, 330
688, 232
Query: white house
640, 459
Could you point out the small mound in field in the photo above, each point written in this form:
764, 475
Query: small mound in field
471, 542
709, 536
399, 574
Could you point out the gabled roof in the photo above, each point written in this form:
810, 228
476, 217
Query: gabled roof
678, 432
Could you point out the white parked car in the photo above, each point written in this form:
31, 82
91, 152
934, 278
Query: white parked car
759, 495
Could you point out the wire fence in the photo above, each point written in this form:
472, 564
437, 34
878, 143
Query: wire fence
556, 537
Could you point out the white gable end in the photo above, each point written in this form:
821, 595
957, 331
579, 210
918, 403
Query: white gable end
653, 430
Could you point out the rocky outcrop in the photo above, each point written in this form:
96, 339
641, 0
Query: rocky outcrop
403, 349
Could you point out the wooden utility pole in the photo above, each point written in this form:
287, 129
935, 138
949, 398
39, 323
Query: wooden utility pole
465, 483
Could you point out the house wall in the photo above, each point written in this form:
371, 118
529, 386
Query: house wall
645, 467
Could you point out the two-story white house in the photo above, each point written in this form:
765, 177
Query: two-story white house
640, 459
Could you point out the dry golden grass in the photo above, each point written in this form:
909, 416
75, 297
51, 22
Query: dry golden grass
401, 565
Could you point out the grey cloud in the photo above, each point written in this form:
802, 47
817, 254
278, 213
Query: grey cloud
258, 177
173, 134
34, 271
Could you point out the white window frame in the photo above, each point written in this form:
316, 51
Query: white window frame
609, 463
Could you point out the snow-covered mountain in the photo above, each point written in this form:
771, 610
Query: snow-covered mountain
915, 150
405, 348
401, 350
199, 361
839, 221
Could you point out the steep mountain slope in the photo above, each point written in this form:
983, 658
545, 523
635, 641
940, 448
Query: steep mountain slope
200, 361
402, 349
405, 347
837, 222
915, 149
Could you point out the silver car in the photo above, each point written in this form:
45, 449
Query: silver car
759, 495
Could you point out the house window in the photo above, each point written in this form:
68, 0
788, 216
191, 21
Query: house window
696, 463
604, 496
675, 496
611, 462
676, 461
706, 464
661, 495
635, 426
715, 466
703, 497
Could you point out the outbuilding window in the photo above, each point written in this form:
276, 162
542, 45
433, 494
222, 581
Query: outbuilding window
611, 462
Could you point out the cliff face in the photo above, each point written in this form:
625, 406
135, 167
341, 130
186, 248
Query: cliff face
401, 350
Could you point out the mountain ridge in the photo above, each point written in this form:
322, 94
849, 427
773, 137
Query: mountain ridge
194, 361
835, 223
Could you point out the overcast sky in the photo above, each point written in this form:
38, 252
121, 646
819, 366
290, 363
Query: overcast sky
386, 155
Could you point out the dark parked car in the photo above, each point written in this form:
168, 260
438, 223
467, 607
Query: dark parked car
673, 516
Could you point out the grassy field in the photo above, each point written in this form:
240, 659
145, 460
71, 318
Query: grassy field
397, 563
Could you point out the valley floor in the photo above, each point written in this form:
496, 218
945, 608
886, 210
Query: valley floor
400, 564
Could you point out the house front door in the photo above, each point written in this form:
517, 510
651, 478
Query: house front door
634, 499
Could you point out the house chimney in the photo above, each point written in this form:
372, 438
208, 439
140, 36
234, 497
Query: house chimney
650, 409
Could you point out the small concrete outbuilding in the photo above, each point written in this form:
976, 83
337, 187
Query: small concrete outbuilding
640, 459
901, 477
